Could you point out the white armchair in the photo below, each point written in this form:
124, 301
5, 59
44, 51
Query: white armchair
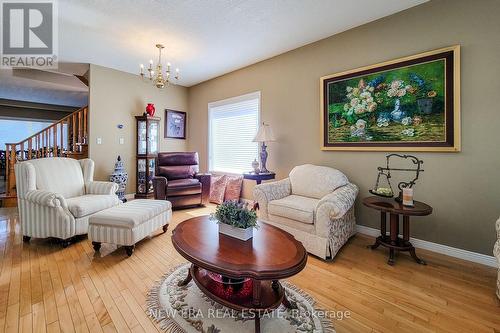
315, 204
56, 196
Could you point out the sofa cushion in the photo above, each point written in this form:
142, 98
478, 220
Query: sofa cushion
315, 181
217, 189
233, 188
59, 175
90, 204
294, 207
130, 214
183, 187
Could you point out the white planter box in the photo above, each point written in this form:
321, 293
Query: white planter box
239, 233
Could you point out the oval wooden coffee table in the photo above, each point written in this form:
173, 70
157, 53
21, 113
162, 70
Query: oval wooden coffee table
241, 275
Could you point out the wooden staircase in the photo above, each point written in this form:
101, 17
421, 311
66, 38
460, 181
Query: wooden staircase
65, 138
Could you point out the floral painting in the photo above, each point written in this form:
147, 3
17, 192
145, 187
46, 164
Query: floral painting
407, 104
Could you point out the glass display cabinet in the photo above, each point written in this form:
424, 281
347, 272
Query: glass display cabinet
148, 144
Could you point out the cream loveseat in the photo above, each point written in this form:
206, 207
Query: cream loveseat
496, 252
314, 204
56, 196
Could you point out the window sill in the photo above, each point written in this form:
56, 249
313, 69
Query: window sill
218, 173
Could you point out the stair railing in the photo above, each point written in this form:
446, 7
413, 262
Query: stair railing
63, 138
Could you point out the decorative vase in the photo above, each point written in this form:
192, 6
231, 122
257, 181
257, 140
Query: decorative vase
397, 114
120, 177
150, 109
255, 166
424, 105
239, 233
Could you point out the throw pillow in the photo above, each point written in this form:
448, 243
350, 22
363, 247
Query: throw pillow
233, 188
217, 189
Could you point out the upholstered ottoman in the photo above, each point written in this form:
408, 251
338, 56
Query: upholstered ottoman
128, 223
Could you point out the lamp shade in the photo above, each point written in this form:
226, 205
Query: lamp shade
264, 134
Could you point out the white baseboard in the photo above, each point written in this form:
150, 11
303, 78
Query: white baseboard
438, 248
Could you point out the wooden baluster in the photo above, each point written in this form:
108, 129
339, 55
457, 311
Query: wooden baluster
61, 137
21, 152
30, 141
74, 131
42, 144
80, 127
54, 132
85, 125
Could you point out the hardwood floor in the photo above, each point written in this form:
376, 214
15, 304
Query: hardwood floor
45, 288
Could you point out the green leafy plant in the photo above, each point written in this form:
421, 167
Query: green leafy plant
235, 214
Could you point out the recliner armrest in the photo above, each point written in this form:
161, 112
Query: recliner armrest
96, 187
160, 187
205, 180
46, 198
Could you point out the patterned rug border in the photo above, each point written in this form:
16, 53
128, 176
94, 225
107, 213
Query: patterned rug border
158, 314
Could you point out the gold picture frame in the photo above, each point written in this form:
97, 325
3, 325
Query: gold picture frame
332, 121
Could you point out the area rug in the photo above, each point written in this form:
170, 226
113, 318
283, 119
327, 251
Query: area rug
188, 309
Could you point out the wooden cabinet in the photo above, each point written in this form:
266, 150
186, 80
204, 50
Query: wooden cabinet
148, 144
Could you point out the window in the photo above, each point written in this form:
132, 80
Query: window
232, 125
16, 130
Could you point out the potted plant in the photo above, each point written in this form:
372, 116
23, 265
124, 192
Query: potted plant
235, 220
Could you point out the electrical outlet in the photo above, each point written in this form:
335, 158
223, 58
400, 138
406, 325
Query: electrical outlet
99, 141
122, 141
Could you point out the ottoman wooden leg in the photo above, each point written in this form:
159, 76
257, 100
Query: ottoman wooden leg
97, 246
26, 239
129, 249
165, 227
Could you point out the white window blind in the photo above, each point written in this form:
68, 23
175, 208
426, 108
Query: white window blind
233, 124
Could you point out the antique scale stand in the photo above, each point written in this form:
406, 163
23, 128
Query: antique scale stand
386, 172
395, 208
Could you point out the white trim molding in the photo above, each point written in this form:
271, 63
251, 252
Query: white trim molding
439, 248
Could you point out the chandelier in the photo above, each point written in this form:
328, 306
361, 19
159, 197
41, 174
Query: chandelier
156, 75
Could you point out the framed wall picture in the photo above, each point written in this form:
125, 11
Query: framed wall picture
175, 124
406, 104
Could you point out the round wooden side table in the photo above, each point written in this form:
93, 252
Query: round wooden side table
259, 177
392, 241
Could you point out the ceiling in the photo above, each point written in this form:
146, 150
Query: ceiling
204, 38
59, 87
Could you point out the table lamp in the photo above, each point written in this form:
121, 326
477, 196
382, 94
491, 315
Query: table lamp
265, 134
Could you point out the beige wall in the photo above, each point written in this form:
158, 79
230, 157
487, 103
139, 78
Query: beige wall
115, 98
463, 188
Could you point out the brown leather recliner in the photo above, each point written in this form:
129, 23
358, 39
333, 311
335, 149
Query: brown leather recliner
178, 181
